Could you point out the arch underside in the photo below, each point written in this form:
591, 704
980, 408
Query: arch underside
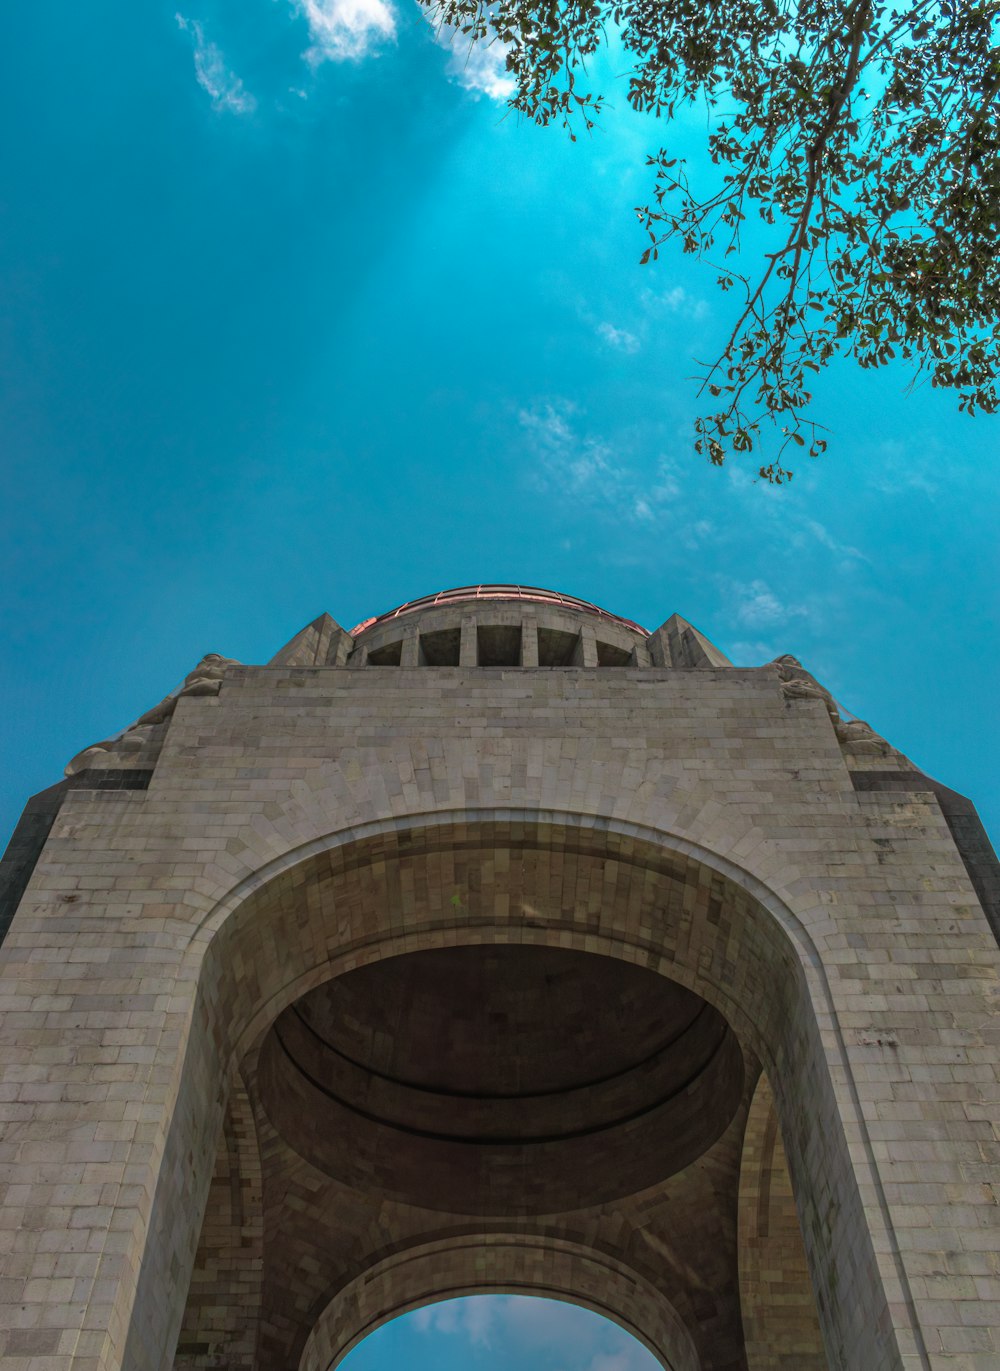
499, 1263
337, 1257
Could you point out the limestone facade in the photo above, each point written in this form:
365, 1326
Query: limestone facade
499, 945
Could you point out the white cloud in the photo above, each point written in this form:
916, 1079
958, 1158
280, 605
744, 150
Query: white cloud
894, 468
346, 30
619, 338
479, 67
573, 462
471, 1318
518, 1327
677, 301
758, 606
612, 1361
349, 30
548, 1323
668, 487
583, 465
752, 653
593, 467
480, 1312
826, 539
225, 88
549, 425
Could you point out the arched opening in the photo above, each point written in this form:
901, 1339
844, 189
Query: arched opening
780, 1323
705, 972
222, 1313
471, 1264
499, 1331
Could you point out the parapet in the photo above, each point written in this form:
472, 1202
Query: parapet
499, 626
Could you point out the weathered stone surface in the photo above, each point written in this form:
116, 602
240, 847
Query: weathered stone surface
139, 744
321, 643
593, 824
678, 643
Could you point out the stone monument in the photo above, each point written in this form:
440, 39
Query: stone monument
499, 945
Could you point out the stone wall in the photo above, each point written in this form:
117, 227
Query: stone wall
306, 820
779, 1312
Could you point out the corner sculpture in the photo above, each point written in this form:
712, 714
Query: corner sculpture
205, 679
853, 734
499, 944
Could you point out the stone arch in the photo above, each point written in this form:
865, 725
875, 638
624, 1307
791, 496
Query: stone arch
236, 921
498, 1263
570, 882
222, 1311
780, 1322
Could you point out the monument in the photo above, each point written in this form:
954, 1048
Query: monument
499, 944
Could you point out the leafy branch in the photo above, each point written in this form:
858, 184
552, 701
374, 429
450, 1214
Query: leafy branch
866, 134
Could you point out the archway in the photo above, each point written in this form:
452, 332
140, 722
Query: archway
498, 1263
558, 883
780, 1324
495, 1331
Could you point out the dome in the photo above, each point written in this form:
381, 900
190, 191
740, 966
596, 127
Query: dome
524, 594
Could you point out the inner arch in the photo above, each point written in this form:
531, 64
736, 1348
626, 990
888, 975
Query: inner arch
501, 1078
495, 1263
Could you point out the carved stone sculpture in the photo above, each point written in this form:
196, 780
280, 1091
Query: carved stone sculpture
205, 679
854, 735
857, 736
799, 684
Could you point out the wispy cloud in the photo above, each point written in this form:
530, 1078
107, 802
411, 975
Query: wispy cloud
215, 77
896, 468
581, 464
597, 473
550, 427
479, 67
613, 1361
618, 338
471, 1318
786, 519
649, 324
814, 529
675, 300
349, 30
758, 606
752, 652
346, 30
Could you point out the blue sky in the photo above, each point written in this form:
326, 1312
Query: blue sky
294, 319
284, 330
500, 1333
